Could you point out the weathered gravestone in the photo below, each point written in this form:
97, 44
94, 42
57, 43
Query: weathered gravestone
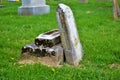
33, 7
46, 45
116, 10
69, 35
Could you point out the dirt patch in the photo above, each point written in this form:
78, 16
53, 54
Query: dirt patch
115, 65
26, 58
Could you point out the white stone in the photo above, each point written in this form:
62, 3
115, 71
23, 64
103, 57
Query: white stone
69, 35
33, 7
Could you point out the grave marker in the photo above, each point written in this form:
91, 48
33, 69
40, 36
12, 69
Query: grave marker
69, 35
33, 7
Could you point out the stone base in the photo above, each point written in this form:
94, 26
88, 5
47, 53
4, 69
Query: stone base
33, 10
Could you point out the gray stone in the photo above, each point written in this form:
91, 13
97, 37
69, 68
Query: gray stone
56, 52
48, 39
33, 7
69, 35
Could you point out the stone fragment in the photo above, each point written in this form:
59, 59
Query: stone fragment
48, 39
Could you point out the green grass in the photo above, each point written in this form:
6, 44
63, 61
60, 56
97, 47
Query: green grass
99, 35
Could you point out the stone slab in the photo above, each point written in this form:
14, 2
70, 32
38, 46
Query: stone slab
48, 39
33, 10
69, 35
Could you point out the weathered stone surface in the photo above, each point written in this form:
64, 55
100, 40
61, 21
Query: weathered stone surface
30, 48
33, 7
55, 52
48, 39
69, 35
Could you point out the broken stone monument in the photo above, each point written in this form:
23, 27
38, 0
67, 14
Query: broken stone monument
56, 46
46, 46
69, 35
48, 39
33, 7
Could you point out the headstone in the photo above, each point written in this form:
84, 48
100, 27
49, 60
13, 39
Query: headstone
69, 35
33, 7
116, 10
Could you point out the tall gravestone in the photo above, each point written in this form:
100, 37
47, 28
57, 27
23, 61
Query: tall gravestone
69, 35
33, 7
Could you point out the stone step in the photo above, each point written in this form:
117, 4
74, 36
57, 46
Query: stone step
55, 52
48, 39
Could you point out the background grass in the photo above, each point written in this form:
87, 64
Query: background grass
99, 35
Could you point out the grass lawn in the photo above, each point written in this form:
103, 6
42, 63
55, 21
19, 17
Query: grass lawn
99, 35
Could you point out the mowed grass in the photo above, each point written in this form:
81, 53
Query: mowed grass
98, 32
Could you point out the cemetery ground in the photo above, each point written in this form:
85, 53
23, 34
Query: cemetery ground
98, 32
